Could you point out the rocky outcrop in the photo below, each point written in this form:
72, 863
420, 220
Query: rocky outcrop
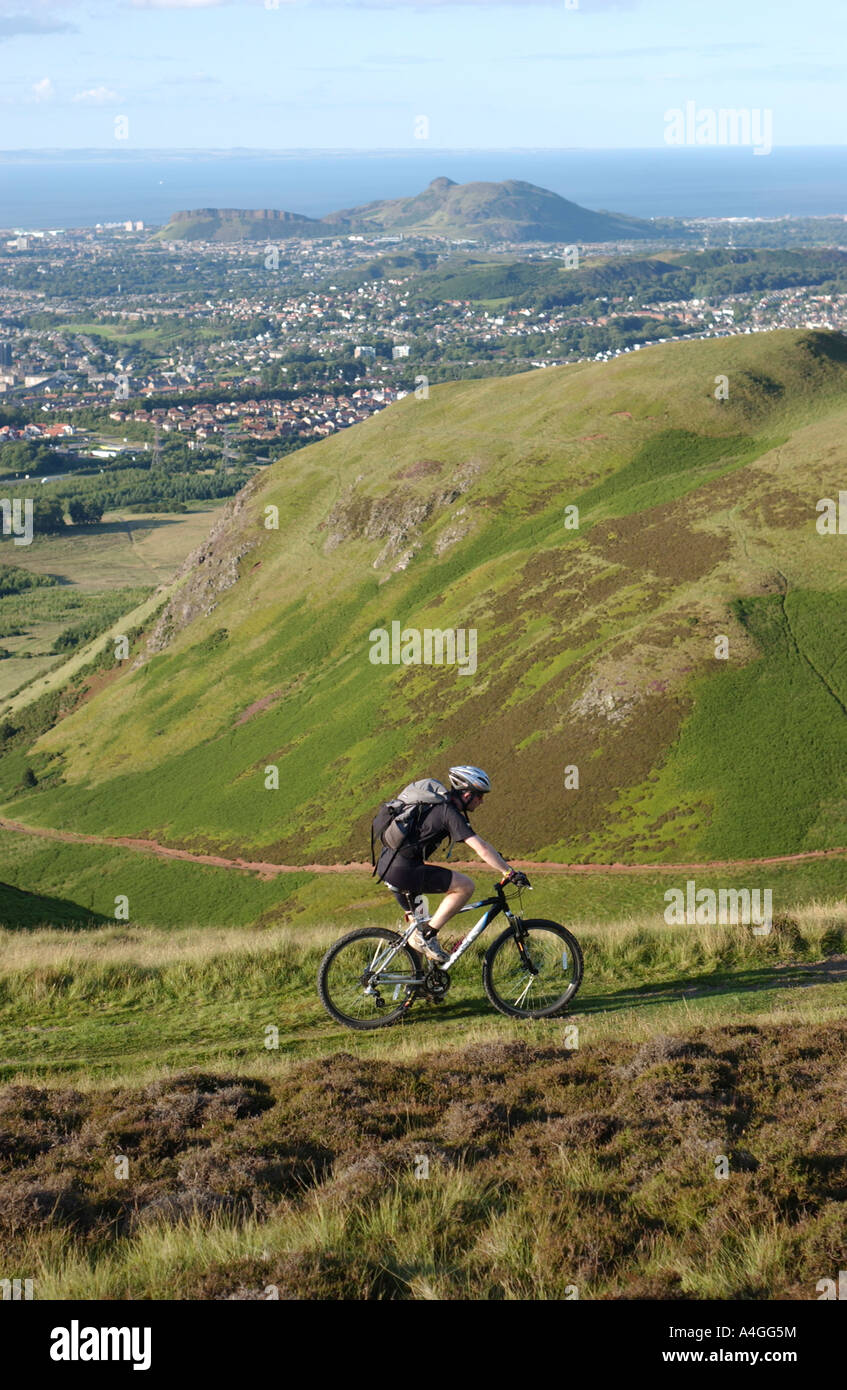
456, 531
397, 519
208, 571
240, 214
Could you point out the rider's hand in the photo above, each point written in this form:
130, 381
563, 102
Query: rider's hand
517, 877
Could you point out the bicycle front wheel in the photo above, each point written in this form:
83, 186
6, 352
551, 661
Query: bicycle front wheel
536, 977
359, 987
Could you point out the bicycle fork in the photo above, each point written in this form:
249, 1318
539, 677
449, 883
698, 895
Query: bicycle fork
520, 938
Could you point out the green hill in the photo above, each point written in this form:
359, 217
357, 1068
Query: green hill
706, 274
509, 211
596, 647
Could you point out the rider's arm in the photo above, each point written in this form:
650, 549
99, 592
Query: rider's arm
488, 853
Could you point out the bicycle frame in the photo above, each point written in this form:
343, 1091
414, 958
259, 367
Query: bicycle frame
494, 906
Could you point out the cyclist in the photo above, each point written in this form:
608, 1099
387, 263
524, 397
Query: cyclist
411, 877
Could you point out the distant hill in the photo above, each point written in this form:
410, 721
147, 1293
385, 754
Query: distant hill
671, 275
237, 224
507, 211
528, 282
696, 469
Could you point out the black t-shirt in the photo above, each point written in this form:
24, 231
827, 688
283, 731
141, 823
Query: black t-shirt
439, 822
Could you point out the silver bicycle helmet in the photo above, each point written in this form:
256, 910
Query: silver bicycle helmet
466, 778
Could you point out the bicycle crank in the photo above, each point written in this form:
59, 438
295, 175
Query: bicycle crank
436, 983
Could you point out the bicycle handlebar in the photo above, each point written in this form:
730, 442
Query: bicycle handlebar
516, 877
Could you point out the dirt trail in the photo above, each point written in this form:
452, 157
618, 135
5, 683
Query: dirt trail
268, 870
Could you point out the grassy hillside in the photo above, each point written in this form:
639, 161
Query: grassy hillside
596, 646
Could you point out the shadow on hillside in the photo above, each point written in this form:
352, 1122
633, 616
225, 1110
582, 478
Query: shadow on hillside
139, 523
21, 911
833, 971
702, 986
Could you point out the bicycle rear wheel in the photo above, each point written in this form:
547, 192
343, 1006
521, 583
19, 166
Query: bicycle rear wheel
536, 978
355, 998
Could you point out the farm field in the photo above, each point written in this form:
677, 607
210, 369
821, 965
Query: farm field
161, 335
125, 550
110, 567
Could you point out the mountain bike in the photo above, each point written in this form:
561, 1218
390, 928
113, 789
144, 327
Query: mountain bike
372, 977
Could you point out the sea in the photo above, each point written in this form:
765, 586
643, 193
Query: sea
59, 189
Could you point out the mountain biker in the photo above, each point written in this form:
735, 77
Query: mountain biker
411, 877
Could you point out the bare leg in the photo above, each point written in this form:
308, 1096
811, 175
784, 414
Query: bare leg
459, 892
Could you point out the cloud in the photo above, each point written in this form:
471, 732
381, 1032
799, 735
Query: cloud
14, 25
50, 25
393, 60
579, 6
194, 79
177, 4
713, 50
95, 96
585, 6
799, 71
44, 90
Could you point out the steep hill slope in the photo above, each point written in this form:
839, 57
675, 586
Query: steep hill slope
595, 647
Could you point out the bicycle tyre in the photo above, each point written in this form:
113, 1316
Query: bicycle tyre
369, 1015
491, 980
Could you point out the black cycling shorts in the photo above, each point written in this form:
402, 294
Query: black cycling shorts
410, 879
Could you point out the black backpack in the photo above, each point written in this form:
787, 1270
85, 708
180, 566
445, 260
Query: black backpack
397, 822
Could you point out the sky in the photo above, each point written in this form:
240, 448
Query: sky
399, 74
